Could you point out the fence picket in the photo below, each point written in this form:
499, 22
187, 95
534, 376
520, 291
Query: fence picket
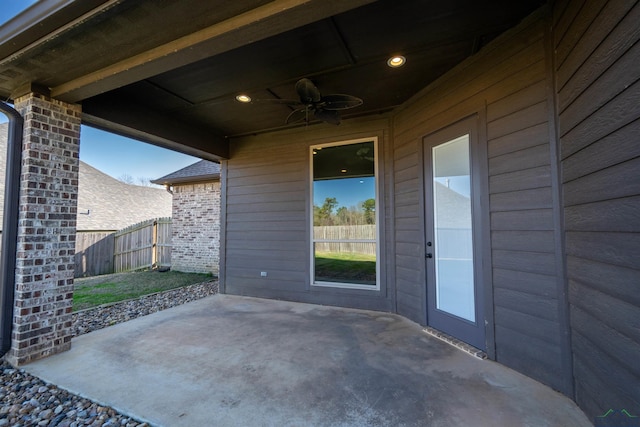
139, 246
94, 253
344, 233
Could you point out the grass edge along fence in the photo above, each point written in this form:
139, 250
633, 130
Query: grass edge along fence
143, 245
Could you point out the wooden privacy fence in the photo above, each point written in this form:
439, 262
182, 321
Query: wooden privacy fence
454, 243
94, 253
344, 233
143, 245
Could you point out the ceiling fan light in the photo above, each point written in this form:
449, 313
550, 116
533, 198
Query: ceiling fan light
243, 98
396, 61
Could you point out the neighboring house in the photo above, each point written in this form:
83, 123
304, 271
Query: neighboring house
104, 203
195, 241
536, 102
107, 204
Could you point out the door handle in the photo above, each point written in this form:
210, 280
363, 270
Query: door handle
428, 255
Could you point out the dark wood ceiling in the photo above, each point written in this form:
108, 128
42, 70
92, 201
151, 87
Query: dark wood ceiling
342, 46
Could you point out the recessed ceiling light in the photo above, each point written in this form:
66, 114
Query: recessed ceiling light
343, 170
396, 61
243, 98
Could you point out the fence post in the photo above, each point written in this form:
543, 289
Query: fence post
141, 245
154, 245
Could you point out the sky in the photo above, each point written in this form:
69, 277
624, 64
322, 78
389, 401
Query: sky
117, 156
113, 154
10, 8
347, 191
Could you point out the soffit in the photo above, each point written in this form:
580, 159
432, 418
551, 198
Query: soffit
342, 46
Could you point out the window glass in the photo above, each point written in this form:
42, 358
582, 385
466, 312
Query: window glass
345, 231
452, 225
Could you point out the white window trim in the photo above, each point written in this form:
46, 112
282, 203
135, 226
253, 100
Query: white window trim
343, 285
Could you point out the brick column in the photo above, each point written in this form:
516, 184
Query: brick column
46, 229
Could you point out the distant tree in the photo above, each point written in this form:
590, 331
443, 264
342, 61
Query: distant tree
342, 216
349, 216
361, 214
325, 212
369, 208
141, 180
126, 178
316, 215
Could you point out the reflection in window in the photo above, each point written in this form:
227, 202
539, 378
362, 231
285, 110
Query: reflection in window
344, 215
453, 228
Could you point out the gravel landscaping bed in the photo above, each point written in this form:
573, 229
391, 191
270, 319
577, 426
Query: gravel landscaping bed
92, 319
28, 401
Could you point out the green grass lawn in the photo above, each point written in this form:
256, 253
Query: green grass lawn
93, 291
345, 267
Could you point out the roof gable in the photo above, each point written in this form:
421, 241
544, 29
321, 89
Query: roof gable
201, 171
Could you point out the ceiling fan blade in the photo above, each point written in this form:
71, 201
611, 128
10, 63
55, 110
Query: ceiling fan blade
307, 91
340, 102
299, 115
329, 116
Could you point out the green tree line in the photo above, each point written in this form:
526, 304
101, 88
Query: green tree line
330, 214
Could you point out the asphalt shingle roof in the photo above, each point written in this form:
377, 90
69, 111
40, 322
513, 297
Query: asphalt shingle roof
104, 203
204, 170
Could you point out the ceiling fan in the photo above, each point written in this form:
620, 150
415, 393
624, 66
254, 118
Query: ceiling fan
326, 108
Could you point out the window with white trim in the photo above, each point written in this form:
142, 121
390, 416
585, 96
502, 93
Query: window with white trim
344, 199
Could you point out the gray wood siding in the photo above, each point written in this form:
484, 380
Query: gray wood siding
267, 220
564, 213
509, 79
598, 84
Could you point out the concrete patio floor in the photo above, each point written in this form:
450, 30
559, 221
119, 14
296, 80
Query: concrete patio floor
236, 361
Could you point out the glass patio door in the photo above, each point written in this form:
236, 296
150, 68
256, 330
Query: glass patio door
453, 282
